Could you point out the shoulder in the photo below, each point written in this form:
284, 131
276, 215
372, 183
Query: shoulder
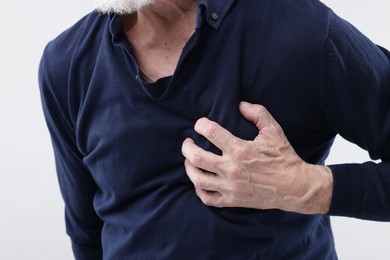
82, 29
59, 52
308, 15
284, 24
67, 54
296, 21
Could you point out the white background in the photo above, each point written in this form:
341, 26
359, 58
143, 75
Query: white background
31, 209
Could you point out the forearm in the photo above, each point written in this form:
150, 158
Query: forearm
361, 191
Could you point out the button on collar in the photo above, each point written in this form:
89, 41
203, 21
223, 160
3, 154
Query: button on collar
214, 11
214, 16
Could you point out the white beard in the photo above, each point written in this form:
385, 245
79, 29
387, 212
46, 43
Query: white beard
119, 6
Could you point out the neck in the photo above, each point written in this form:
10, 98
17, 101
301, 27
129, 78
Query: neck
169, 10
158, 34
161, 22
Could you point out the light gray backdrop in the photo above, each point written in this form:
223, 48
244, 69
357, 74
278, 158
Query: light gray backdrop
31, 209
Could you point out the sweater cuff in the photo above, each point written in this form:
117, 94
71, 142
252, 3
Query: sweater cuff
87, 252
347, 195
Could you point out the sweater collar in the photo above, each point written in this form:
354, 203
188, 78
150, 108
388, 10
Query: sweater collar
211, 11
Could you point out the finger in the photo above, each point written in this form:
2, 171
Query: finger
210, 198
200, 158
201, 180
216, 134
257, 114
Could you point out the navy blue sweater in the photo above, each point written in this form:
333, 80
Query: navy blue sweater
117, 139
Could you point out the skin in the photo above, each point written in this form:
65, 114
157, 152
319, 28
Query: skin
158, 34
264, 173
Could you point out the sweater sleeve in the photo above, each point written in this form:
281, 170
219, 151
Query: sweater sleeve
76, 184
357, 105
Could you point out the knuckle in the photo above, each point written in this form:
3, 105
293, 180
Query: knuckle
235, 172
207, 201
205, 198
228, 203
220, 187
197, 159
211, 130
197, 182
260, 111
222, 202
241, 151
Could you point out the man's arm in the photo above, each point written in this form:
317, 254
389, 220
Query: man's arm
265, 173
356, 102
76, 184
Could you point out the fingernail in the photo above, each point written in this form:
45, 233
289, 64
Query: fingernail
244, 104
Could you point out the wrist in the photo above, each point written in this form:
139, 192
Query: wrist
318, 195
310, 190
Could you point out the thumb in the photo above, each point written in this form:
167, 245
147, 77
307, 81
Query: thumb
257, 114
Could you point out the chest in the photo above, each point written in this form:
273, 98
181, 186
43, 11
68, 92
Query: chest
131, 133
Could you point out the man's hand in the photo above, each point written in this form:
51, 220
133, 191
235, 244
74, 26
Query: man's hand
265, 173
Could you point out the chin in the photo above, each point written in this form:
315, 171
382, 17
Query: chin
119, 6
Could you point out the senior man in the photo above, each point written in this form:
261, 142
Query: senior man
132, 87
